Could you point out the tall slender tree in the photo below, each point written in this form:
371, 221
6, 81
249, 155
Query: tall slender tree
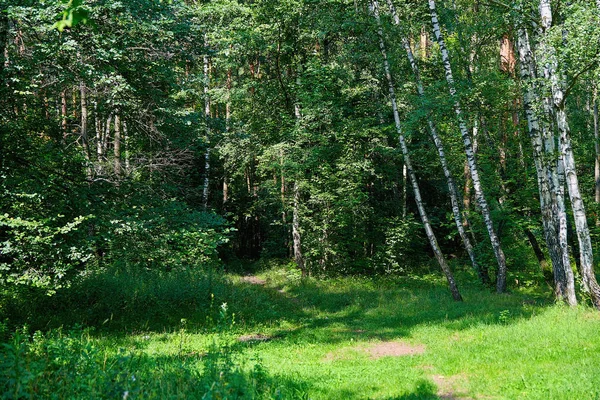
452, 190
411, 173
546, 166
473, 168
556, 79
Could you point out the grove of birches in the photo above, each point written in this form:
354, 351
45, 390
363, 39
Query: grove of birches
345, 137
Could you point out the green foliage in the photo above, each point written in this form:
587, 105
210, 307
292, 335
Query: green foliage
42, 253
401, 247
74, 13
167, 236
60, 364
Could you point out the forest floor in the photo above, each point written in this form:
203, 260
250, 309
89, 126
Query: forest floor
343, 338
353, 338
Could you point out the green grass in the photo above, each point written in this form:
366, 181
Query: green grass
315, 340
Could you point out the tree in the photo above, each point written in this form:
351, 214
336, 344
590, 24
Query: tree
413, 178
481, 201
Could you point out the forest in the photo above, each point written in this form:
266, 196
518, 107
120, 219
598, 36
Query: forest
299, 199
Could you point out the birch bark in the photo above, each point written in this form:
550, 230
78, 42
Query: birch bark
296, 237
117, 146
597, 145
568, 160
480, 196
207, 121
84, 128
63, 115
4, 38
411, 173
126, 142
454, 197
298, 257
551, 198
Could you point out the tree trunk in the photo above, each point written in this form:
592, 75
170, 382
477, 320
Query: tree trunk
297, 239
63, 116
298, 257
3, 39
84, 129
207, 121
106, 137
551, 199
597, 145
452, 190
117, 145
413, 178
404, 190
481, 201
126, 137
568, 160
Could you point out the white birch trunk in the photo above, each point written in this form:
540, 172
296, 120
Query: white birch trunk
298, 257
597, 145
454, 197
568, 160
126, 142
411, 173
205, 187
63, 115
297, 238
551, 197
106, 137
481, 201
84, 129
117, 146
404, 190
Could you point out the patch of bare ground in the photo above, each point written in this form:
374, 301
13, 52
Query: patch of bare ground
394, 349
254, 338
255, 280
449, 387
378, 350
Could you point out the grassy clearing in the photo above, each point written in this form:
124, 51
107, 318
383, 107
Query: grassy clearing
346, 338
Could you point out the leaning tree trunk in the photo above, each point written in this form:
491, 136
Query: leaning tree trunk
411, 173
568, 159
481, 201
482, 273
553, 221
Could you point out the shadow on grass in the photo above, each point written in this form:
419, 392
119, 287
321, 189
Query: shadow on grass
57, 366
328, 311
339, 310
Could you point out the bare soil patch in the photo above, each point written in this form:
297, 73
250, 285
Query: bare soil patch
254, 338
255, 280
378, 350
394, 349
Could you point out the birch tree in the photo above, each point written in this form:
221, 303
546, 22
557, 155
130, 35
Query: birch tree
205, 62
296, 236
452, 190
556, 81
411, 173
551, 199
473, 168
